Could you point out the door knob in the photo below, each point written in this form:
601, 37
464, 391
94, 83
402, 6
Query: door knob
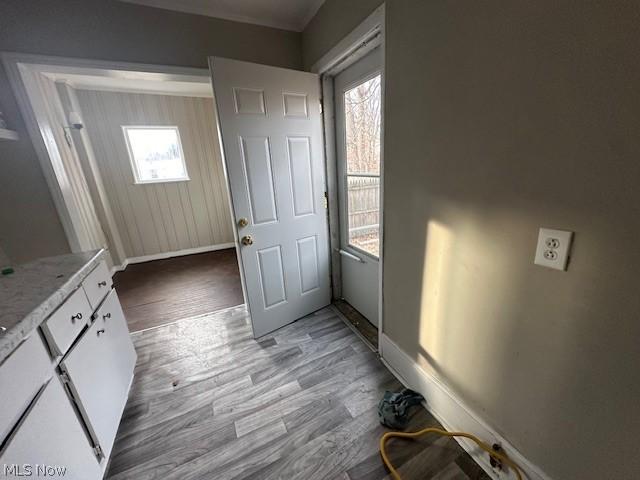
243, 222
247, 240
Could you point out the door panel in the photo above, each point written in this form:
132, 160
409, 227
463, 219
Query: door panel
358, 105
273, 147
308, 264
272, 276
256, 158
100, 367
299, 153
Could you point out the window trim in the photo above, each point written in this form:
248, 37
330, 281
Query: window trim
132, 161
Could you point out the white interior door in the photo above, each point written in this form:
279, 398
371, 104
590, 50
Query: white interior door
271, 132
358, 105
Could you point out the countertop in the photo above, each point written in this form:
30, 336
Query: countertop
35, 290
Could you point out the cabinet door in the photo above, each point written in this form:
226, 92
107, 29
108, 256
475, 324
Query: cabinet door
97, 284
50, 441
100, 369
21, 376
65, 324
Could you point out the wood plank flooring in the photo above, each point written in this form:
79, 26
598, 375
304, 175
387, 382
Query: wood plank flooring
210, 402
163, 291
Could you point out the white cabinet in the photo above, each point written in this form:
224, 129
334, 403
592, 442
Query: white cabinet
50, 438
97, 284
22, 374
66, 323
60, 406
100, 369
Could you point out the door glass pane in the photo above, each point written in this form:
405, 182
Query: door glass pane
362, 144
363, 198
362, 122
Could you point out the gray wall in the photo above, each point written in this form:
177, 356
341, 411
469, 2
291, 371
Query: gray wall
332, 22
502, 117
161, 217
105, 30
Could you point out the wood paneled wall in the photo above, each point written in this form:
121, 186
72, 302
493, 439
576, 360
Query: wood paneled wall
164, 217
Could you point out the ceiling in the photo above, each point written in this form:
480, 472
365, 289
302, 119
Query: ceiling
130, 82
285, 14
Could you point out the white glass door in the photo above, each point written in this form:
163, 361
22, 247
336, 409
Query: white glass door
358, 101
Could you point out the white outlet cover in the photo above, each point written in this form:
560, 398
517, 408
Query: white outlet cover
564, 245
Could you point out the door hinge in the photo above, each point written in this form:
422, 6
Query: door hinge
97, 450
325, 200
64, 376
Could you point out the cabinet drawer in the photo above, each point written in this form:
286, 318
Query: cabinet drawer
50, 436
100, 369
21, 376
97, 284
66, 323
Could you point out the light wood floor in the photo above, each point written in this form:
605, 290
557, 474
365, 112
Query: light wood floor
163, 291
210, 402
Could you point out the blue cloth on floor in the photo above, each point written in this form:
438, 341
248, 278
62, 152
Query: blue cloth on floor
393, 409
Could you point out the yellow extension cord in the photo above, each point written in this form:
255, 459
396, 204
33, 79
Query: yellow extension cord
497, 455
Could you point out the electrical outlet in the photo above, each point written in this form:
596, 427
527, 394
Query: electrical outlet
553, 248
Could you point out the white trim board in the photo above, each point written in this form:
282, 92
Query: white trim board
175, 253
353, 42
453, 414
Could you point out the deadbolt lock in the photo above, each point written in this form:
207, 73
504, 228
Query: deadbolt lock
247, 240
243, 222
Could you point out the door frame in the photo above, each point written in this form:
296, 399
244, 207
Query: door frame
363, 39
14, 61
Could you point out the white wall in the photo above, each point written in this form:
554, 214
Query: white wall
165, 217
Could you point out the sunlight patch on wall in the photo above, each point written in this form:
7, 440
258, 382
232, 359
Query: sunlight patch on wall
435, 286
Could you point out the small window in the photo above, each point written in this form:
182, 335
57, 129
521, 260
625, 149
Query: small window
156, 154
362, 156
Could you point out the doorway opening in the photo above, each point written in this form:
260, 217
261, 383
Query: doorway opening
134, 164
266, 127
353, 85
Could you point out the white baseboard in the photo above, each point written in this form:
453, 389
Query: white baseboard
452, 413
175, 253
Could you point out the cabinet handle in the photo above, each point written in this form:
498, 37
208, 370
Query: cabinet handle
75, 317
100, 331
102, 283
105, 316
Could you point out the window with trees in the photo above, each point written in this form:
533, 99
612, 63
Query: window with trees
362, 140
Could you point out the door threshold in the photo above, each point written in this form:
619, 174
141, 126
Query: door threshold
362, 327
195, 317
